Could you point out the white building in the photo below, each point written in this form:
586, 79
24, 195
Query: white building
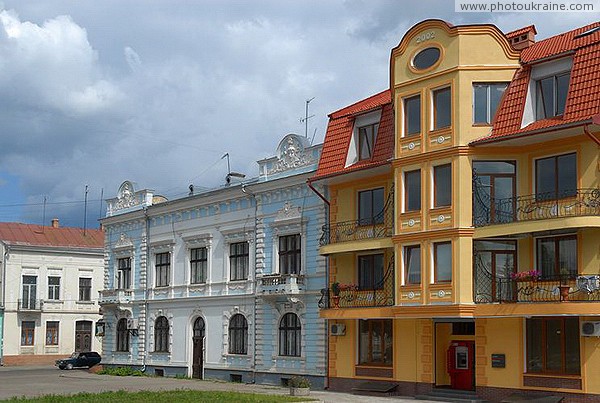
50, 282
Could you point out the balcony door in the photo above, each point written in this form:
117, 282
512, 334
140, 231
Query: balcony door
29, 291
494, 262
83, 335
493, 192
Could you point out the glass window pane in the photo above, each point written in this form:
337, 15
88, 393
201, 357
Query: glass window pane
412, 112
365, 207
567, 175
545, 98
480, 103
496, 92
534, 345
546, 261
442, 106
553, 345
426, 58
572, 360
412, 264
443, 261
413, 190
562, 88
443, 185
567, 254
545, 174
494, 167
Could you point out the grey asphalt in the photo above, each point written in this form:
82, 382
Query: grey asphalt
38, 381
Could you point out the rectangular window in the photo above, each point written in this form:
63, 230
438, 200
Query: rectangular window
29, 293
54, 288
366, 140
163, 269
376, 342
553, 345
493, 192
442, 108
370, 272
52, 333
289, 254
556, 177
412, 190
412, 116
442, 262
27, 333
239, 260
555, 254
412, 264
486, 99
124, 273
551, 95
370, 207
442, 182
198, 265
85, 289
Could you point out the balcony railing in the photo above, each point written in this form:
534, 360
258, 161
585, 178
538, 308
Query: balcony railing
379, 226
30, 304
281, 284
381, 294
540, 206
108, 297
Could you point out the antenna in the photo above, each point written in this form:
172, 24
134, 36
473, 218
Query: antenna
85, 210
306, 117
44, 214
101, 197
229, 173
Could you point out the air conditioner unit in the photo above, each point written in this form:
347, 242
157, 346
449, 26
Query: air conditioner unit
132, 324
338, 329
590, 329
588, 283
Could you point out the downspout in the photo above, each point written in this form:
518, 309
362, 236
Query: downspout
246, 191
309, 183
590, 135
146, 291
4, 258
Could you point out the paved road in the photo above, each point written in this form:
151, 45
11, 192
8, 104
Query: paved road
36, 381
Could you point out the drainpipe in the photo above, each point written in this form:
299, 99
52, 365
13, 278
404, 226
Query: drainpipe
309, 183
3, 301
255, 309
146, 291
590, 135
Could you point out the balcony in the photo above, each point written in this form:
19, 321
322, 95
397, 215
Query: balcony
540, 206
379, 226
275, 284
115, 297
382, 294
584, 288
30, 305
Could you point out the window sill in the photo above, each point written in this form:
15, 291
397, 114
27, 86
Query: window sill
85, 302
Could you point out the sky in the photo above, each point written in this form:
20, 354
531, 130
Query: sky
96, 92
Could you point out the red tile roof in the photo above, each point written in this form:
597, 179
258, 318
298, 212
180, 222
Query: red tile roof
520, 31
339, 133
583, 99
38, 235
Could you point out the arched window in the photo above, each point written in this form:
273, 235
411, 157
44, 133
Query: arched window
122, 335
238, 334
161, 335
290, 332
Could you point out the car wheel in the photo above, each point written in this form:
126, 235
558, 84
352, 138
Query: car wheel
61, 367
69, 366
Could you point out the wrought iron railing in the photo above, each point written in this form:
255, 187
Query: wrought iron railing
381, 294
30, 304
379, 226
539, 206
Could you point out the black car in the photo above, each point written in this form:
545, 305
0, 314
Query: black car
77, 360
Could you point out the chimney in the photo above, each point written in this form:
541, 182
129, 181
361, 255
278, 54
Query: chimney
522, 38
55, 223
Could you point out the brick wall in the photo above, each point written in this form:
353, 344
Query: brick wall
31, 360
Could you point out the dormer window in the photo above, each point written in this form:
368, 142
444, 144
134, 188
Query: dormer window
366, 140
551, 95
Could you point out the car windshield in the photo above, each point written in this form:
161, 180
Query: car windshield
74, 355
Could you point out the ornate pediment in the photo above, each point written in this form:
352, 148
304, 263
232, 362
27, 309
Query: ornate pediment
288, 212
291, 154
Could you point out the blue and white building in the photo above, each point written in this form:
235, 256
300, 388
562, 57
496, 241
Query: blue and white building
223, 284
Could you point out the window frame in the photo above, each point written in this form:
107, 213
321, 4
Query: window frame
436, 278
236, 258
290, 260
376, 279
198, 265
54, 289
544, 349
409, 116
290, 328
407, 194
539, 100
488, 101
52, 333
436, 202
124, 273
85, 289
162, 269
373, 218
238, 335
122, 336
161, 334
407, 254
28, 333
434, 97
370, 134
387, 360
556, 272
557, 196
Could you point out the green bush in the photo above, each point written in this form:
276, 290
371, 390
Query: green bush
299, 382
120, 371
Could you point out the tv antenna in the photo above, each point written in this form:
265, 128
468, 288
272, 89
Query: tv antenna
306, 117
229, 173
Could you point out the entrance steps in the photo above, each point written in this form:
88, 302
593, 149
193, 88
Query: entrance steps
451, 395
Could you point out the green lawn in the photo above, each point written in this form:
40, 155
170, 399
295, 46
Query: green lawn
163, 396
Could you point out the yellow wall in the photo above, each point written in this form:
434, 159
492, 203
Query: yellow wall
500, 336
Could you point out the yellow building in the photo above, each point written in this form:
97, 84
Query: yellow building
495, 241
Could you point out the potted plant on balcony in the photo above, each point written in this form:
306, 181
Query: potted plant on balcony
299, 386
564, 286
335, 290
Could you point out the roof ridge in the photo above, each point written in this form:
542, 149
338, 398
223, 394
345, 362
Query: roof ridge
338, 113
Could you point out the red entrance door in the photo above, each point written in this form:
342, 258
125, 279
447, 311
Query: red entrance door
460, 361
